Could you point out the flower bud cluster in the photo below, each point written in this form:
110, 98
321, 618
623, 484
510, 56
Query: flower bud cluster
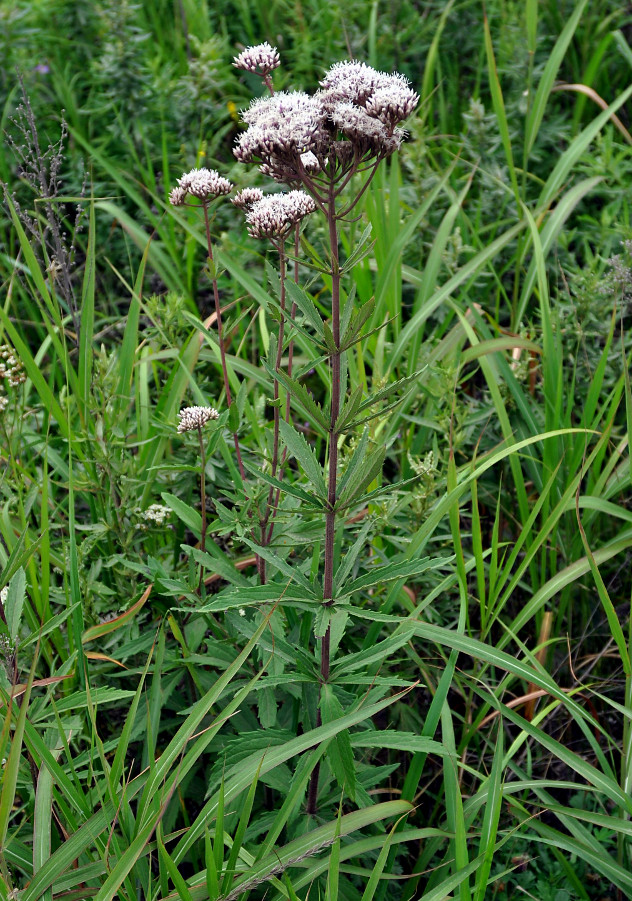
260, 59
11, 370
205, 184
246, 197
10, 367
275, 215
195, 417
157, 514
354, 116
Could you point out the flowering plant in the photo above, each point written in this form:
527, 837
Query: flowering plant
325, 147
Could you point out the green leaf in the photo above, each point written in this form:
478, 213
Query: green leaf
351, 556
304, 454
357, 321
216, 561
190, 517
362, 248
361, 477
349, 410
339, 753
286, 486
294, 573
303, 398
15, 602
553, 63
377, 653
305, 305
402, 570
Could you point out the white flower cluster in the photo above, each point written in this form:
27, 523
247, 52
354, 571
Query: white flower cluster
156, 513
281, 125
4, 594
195, 417
246, 197
261, 59
354, 116
276, 214
201, 183
10, 366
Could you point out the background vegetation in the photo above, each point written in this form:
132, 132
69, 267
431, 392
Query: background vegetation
476, 738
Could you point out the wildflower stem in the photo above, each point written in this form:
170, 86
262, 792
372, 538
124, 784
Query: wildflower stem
290, 363
202, 489
202, 499
220, 332
270, 510
330, 518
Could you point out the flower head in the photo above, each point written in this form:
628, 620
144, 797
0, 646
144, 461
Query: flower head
246, 197
275, 214
261, 59
202, 183
177, 196
284, 125
393, 102
195, 417
156, 513
351, 81
352, 118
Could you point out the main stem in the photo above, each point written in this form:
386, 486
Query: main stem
270, 506
290, 364
330, 518
202, 499
220, 334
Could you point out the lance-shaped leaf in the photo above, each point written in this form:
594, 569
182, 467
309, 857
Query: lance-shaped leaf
285, 486
358, 319
362, 249
361, 477
351, 556
14, 603
190, 517
355, 461
379, 574
387, 390
305, 305
301, 396
339, 753
303, 454
349, 410
291, 572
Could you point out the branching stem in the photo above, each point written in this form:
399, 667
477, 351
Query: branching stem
220, 333
330, 518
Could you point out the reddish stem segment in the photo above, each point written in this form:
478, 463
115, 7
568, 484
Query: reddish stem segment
270, 505
330, 519
220, 333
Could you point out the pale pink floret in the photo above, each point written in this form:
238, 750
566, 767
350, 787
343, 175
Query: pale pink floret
195, 417
246, 197
276, 214
204, 183
260, 59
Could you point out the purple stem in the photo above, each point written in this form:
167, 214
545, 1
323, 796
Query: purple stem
220, 334
330, 518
